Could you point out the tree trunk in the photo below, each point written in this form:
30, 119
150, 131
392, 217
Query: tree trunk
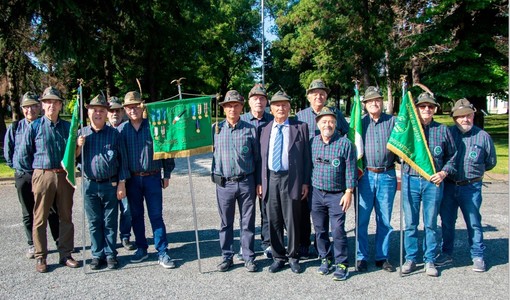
416, 69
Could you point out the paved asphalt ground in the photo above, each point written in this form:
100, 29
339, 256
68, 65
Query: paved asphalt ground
19, 280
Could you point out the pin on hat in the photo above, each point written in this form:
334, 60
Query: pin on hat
132, 97
98, 100
257, 89
371, 93
426, 98
51, 93
232, 96
317, 84
462, 107
29, 98
325, 111
280, 96
115, 102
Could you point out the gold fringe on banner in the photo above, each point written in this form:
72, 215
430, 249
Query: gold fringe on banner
183, 153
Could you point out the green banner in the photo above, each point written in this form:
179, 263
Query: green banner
68, 161
355, 131
407, 139
180, 128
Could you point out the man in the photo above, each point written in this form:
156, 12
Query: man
104, 182
235, 159
378, 185
258, 117
333, 179
145, 181
285, 175
22, 165
317, 95
416, 189
476, 154
45, 142
115, 118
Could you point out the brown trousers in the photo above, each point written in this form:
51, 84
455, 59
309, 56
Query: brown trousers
49, 187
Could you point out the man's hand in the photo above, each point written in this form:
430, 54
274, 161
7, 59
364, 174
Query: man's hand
165, 182
304, 191
259, 190
346, 200
438, 177
121, 190
80, 141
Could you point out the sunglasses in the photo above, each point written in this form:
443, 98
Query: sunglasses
430, 106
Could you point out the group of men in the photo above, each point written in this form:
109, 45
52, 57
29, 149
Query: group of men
298, 168
118, 169
306, 167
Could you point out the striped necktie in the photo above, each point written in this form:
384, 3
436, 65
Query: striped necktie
277, 149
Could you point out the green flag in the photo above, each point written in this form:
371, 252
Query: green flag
355, 131
68, 162
180, 128
407, 139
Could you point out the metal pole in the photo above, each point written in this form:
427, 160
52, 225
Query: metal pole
192, 190
263, 38
80, 100
401, 193
356, 213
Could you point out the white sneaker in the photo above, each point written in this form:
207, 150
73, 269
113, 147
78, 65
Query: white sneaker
430, 269
478, 264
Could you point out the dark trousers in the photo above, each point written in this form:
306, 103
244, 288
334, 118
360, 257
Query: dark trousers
243, 193
264, 225
326, 207
23, 184
283, 212
305, 224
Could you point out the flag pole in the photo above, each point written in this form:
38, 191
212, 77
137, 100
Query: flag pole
356, 213
192, 190
80, 103
404, 87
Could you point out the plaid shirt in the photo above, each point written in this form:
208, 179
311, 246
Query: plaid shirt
308, 116
442, 148
13, 157
236, 149
103, 154
333, 164
375, 138
140, 151
475, 153
45, 142
248, 117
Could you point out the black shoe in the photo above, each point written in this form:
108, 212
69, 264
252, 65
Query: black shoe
225, 265
276, 266
96, 263
251, 266
112, 263
385, 265
127, 244
304, 252
362, 265
294, 266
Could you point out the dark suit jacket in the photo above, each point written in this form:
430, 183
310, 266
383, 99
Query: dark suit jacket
300, 164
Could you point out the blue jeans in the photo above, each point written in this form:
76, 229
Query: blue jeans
102, 213
469, 199
125, 219
416, 190
376, 191
148, 188
326, 209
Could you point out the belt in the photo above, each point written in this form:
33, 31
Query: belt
146, 173
331, 192
53, 170
381, 170
236, 178
465, 182
111, 179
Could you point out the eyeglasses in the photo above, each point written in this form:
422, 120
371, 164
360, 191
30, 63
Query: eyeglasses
132, 107
322, 161
430, 106
31, 107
